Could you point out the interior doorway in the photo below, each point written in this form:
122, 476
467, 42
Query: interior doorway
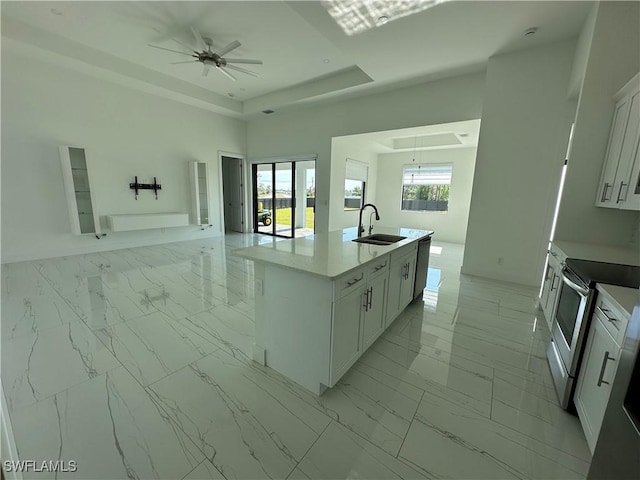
233, 193
284, 198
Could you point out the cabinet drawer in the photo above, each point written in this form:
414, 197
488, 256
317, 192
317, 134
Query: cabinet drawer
412, 248
614, 320
378, 267
349, 282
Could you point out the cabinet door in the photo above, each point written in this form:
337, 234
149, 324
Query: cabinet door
606, 195
396, 275
628, 154
345, 333
595, 379
374, 309
632, 200
408, 280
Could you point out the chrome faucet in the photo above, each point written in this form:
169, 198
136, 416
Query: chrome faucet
360, 226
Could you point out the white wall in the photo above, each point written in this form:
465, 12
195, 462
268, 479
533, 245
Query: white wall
355, 149
525, 127
125, 133
311, 130
614, 58
449, 226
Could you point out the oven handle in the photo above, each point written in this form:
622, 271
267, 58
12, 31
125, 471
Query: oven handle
567, 278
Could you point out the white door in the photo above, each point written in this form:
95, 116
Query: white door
233, 194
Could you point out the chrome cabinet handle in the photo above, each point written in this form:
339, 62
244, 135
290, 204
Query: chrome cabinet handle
604, 366
604, 311
622, 184
368, 298
553, 282
604, 198
354, 281
380, 266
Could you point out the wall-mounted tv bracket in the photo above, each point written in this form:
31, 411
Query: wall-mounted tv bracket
155, 186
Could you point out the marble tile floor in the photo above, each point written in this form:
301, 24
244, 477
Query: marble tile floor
136, 364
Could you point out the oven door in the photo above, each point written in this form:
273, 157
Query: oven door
570, 321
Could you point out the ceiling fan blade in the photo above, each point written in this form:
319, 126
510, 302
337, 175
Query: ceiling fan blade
199, 38
227, 73
169, 50
205, 69
185, 61
232, 46
182, 44
243, 70
243, 60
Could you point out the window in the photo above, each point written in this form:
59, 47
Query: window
353, 194
426, 187
355, 182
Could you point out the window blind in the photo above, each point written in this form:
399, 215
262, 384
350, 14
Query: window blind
356, 170
427, 174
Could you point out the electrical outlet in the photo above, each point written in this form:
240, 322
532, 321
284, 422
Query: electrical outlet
259, 287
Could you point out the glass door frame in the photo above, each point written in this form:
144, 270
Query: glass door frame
274, 215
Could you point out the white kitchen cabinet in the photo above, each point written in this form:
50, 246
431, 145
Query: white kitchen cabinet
620, 174
358, 315
598, 368
345, 332
373, 316
200, 193
401, 280
80, 196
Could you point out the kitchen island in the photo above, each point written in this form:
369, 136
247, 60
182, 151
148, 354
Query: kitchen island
322, 300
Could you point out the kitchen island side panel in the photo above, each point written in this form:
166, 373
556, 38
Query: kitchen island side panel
296, 325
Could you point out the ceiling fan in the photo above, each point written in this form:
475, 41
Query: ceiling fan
210, 58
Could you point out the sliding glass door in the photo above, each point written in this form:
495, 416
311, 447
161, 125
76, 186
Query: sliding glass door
284, 198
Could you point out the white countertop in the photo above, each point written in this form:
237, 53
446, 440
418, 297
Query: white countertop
328, 254
624, 298
599, 253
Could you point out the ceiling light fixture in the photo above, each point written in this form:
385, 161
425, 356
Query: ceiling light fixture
326, 60
356, 16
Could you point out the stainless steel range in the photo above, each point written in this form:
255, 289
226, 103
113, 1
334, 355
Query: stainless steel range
576, 301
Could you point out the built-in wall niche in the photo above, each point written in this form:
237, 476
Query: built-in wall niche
80, 197
200, 193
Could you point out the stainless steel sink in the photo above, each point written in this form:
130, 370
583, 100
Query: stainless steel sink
379, 239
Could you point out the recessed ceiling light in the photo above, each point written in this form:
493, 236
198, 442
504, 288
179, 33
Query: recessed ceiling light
325, 60
382, 19
55, 11
530, 31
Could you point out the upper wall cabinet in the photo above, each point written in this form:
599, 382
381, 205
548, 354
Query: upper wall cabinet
200, 193
620, 181
80, 196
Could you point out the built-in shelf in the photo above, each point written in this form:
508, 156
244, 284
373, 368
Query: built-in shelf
146, 221
80, 199
200, 193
